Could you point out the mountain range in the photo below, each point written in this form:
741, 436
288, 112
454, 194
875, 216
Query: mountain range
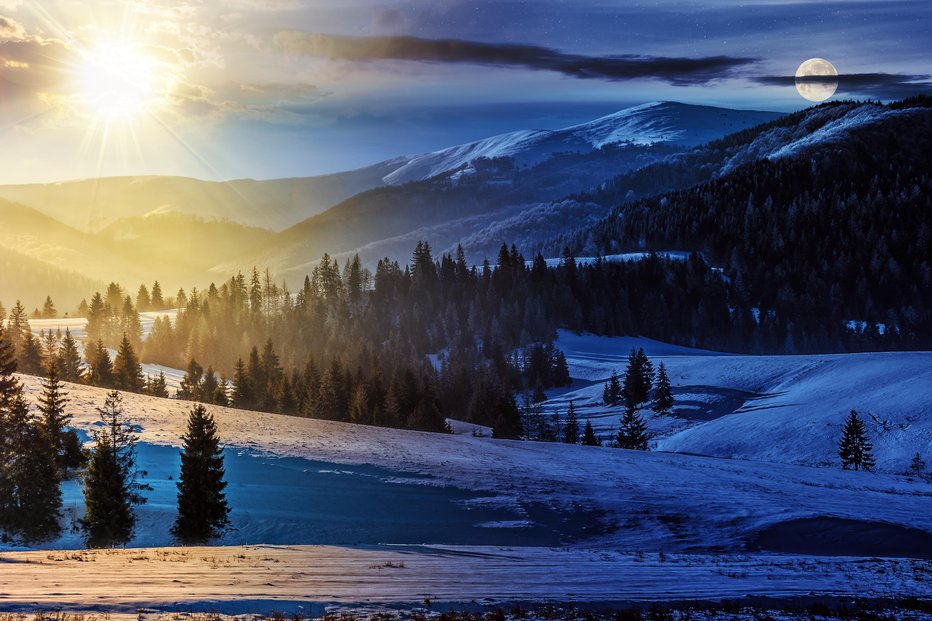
533, 188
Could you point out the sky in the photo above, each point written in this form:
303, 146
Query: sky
281, 88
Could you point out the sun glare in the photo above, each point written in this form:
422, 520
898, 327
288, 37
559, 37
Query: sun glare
119, 82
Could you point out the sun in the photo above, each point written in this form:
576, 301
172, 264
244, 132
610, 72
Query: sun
119, 82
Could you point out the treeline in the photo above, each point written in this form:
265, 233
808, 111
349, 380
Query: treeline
808, 243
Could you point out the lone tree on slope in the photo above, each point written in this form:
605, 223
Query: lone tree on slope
571, 431
855, 447
663, 393
203, 512
110, 484
633, 431
589, 438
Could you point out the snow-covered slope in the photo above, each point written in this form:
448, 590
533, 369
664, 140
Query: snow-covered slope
786, 409
294, 480
652, 123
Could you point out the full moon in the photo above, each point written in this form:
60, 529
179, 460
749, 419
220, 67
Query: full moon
810, 86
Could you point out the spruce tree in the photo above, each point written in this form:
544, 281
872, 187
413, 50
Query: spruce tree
9, 385
663, 393
589, 438
100, 366
203, 512
633, 431
127, 371
157, 386
855, 447
30, 355
110, 482
31, 484
69, 360
55, 420
571, 429
612, 391
917, 465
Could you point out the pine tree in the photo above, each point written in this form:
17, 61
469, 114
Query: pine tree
48, 309
612, 391
9, 385
31, 484
17, 326
663, 393
190, 388
589, 437
855, 447
571, 429
157, 386
242, 386
508, 417
917, 465
155, 298
639, 375
100, 367
633, 431
55, 420
127, 371
561, 371
69, 360
30, 356
203, 512
110, 482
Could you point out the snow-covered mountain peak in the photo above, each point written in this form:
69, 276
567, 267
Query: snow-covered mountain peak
647, 124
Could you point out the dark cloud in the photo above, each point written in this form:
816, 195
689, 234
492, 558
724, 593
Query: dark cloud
880, 85
676, 70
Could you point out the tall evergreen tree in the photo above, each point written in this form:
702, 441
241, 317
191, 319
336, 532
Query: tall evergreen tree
855, 447
633, 432
190, 387
156, 302
111, 487
69, 360
48, 309
203, 512
157, 386
589, 438
100, 366
663, 393
54, 419
639, 375
571, 429
29, 477
127, 371
612, 392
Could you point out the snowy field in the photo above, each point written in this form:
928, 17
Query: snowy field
314, 580
295, 480
78, 325
764, 408
738, 500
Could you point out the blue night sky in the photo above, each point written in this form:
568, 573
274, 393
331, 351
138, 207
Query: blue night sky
274, 88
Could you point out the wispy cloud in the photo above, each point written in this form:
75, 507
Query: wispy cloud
682, 71
881, 85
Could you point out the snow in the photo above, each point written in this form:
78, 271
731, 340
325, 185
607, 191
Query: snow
315, 580
767, 408
395, 516
676, 255
78, 325
652, 123
574, 495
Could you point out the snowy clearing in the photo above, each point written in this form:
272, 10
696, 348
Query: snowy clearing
765, 408
571, 495
314, 580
